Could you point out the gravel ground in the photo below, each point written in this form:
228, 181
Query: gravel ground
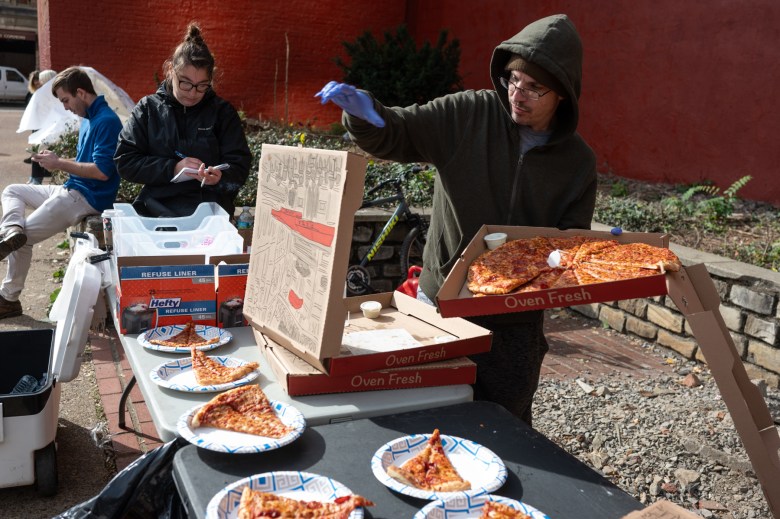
658, 438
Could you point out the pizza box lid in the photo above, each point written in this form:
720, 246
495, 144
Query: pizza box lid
455, 300
75, 305
306, 204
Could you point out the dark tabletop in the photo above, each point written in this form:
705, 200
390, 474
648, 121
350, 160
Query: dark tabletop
539, 472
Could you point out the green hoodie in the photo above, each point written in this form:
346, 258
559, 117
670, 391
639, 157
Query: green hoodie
475, 145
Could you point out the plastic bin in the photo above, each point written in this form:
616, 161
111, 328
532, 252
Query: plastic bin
28, 420
217, 237
183, 223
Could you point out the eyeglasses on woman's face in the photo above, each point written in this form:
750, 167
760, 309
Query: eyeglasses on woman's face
186, 86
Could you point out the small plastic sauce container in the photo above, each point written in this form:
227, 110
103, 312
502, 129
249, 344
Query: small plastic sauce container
371, 309
495, 239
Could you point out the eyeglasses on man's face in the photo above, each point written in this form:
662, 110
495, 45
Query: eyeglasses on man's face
530, 93
187, 86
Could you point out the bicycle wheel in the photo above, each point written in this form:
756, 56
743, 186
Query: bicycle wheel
358, 281
412, 250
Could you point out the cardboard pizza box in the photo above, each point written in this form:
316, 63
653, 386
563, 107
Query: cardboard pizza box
662, 509
455, 300
299, 378
407, 332
301, 242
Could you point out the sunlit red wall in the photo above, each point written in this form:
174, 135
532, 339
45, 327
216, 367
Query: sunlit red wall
129, 41
673, 91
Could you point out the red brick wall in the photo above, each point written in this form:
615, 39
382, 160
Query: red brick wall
673, 91
129, 41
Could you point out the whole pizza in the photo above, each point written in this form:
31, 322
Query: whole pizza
542, 263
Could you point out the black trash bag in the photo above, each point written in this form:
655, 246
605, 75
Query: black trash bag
142, 490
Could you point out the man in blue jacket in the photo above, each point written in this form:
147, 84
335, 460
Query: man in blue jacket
90, 188
507, 156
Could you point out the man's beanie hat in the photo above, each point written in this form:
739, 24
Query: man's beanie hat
535, 71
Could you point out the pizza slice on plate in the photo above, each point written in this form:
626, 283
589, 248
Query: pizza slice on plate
244, 409
185, 338
256, 504
209, 372
496, 510
430, 469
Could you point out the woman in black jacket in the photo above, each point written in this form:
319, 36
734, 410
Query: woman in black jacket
184, 125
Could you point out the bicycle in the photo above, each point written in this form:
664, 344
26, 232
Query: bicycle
358, 277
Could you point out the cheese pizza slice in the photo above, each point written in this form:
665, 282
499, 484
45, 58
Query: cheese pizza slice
637, 255
209, 372
244, 409
181, 339
256, 504
430, 469
592, 246
496, 510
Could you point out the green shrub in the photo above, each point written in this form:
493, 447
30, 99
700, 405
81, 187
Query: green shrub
397, 72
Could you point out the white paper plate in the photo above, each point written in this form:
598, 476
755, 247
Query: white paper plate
295, 485
179, 375
475, 463
240, 443
470, 507
166, 332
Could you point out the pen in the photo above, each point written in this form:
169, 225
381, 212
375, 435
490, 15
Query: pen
180, 155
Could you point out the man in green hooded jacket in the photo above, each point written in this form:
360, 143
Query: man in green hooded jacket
509, 156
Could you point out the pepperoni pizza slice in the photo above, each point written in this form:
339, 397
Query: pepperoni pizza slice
209, 372
430, 469
244, 409
256, 504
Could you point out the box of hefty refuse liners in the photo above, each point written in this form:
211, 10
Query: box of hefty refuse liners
158, 291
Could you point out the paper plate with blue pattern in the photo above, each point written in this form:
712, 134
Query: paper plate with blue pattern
232, 442
470, 507
179, 375
304, 486
219, 336
479, 465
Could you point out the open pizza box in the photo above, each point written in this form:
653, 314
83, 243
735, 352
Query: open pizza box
306, 204
455, 300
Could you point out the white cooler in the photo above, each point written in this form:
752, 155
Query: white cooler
28, 420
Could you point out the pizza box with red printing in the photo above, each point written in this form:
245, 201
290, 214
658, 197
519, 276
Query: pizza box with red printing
407, 332
455, 300
299, 378
306, 204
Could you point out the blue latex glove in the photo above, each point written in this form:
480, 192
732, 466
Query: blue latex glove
352, 101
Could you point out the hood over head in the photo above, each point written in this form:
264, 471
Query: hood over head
552, 45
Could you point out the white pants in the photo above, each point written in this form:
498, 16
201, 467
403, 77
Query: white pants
55, 208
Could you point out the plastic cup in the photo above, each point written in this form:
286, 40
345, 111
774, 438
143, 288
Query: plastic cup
371, 309
495, 239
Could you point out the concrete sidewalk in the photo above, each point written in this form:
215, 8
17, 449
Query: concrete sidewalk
579, 348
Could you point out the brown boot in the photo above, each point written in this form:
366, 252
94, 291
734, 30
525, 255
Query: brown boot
13, 239
9, 308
